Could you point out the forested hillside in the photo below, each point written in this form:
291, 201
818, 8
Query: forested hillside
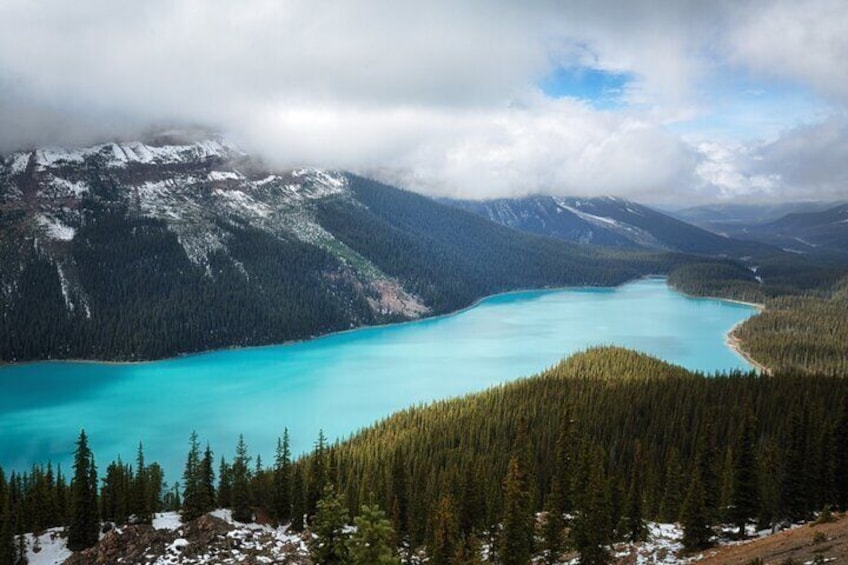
803, 325
600, 443
137, 251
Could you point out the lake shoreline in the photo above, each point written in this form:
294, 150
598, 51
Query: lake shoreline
731, 339
476, 303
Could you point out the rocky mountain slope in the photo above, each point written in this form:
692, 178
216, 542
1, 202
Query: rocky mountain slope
138, 250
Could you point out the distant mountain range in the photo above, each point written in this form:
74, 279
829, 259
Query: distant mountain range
607, 221
803, 227
140, 250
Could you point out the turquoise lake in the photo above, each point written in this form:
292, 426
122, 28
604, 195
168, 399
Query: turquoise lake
342, 382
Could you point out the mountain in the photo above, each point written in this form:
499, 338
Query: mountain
724, 216
822, 231
606, 221
139, 250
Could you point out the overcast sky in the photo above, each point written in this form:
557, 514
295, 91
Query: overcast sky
657, 100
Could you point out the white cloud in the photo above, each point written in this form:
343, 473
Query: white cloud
439, 95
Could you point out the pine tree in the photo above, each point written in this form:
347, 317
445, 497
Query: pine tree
21, 553
225, 484
516, 539
330, 544
298, 498
193, 503
564, 450
371, 543
282, 479
634, 524
141, 507
674, 484
841, 457
472, 505
554, 526
697, 531
242, 510
317, 478
593, 526
399, 496
83, 529
445, 533
207, 480
7, 532
794, 487
745, 500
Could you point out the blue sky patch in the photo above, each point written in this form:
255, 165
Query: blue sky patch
599, 88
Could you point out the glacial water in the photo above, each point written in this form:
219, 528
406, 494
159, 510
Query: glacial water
342, 382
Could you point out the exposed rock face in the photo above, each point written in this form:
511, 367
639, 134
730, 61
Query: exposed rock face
198, 213
206, 540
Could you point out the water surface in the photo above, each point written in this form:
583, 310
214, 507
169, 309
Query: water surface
344, 381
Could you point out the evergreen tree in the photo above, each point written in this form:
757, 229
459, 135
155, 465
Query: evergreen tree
371, 543
329, 547
634, 524
697, 531
84, 526
516, 539
554, 526
564, 450
593, 528
207, 481
7, 532
242, 510
21, 553
225, 484
445, 533
708, 458
841, 457
726, 498
674, 484
745, 501
317, 478
142, 489
193, 505
399, 496
298, 499
282, 479
472, 505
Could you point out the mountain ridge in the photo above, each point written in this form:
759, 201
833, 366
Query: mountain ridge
606, 220
129, 251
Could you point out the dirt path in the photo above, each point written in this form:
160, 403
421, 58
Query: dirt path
802, 545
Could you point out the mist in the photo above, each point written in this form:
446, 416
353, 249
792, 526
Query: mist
445, 99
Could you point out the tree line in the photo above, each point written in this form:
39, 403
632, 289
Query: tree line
573, 458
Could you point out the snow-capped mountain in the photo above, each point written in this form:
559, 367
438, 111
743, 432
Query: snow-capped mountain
606, 221
131, 250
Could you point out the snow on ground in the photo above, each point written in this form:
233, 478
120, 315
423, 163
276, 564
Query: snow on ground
51, 545
662, 546
167, 521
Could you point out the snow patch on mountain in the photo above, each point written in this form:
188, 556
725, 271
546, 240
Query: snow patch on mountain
64, 187
19, 163
238, 200
218, 176
55, 229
